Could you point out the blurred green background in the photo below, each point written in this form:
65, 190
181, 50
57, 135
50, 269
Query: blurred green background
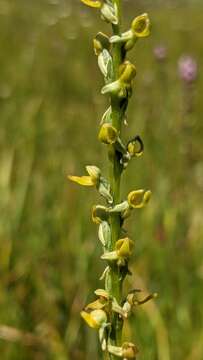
50, 109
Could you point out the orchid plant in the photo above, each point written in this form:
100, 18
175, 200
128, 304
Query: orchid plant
110, 308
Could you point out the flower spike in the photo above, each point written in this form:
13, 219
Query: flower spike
108, 311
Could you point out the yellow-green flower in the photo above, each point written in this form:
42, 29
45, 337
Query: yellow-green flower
141, 26
106, 302
99, 214
135, 147
91, 180
123, 250
95, 319
108, 10
138, 198
108, 134
123, 86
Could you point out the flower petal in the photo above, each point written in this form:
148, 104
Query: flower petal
92, 3
82, 180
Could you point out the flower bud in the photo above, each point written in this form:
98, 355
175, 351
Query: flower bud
135, 147
95, 319
108, 134
141, 25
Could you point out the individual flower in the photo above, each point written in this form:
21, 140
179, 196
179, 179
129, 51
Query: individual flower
95, 319
126, 351
123, 250
106, 302
136, 199
135, 147
132, 300
108, 10
108, 134
91, 180
187, 69
94, 179
140, 28
100, 42
123, 86
99, 214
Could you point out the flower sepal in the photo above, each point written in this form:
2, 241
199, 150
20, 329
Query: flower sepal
104, 233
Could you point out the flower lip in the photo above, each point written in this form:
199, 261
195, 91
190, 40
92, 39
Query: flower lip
141, 25
108, 134
92, 3
95, 319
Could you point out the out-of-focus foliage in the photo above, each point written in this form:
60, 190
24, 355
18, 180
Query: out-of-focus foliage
50, 108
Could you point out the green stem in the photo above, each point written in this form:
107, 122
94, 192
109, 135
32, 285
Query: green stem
114, 283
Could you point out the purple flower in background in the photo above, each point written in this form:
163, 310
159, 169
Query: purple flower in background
160, 52
187, 68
